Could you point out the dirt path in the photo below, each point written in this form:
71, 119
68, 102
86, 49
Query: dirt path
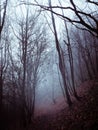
82, 115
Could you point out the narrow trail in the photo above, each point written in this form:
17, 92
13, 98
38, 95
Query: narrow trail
83, 115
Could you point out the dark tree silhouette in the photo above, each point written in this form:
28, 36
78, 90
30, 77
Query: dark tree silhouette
61, 60
2, 19
82, 18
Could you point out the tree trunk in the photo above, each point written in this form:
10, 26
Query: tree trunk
61, 61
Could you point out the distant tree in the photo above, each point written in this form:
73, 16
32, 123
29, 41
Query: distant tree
31, 53
86, 53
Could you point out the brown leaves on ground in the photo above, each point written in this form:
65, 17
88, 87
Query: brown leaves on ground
83, 115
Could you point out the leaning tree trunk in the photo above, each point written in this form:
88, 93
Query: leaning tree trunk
61, 61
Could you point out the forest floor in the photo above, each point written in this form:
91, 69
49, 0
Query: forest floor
82, 115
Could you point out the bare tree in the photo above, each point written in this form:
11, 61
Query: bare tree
70, 55
4, 47
82, 18
32, 44
61, 60
86, 53
1, 51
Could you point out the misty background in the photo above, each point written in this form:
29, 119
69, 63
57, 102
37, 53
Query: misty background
47, 50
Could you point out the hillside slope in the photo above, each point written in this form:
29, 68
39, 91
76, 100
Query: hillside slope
83, 115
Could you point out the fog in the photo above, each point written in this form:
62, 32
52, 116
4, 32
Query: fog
46, 53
